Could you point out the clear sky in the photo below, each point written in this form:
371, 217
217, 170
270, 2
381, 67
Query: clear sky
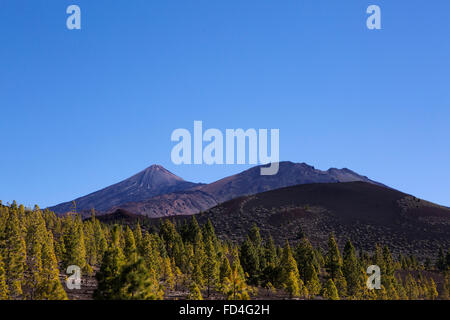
83, 109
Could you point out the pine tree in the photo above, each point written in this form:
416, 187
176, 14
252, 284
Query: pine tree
75, 250
292, 285
130, 250
149, 252
378, 259
308, 266
432, 292
313, 285
271, 271
351, 270
288, 263
178, 276
400, 289
4, 294
193, 234
15, 256
194, 292
209, 233
234, 286
270, 252
35, 237
341, 283
250, 260
197, 274
138, 238
167, 273
101, 244
333, 261
255, 237
411, 287
179, 254
199, 258
289, 271
320, 257
110, 270
225, 269
90, 243
210, 267
330, 291
136, 282
50, 287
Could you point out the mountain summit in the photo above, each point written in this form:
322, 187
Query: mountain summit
153, 181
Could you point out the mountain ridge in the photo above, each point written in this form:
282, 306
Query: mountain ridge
247, 182
157, 192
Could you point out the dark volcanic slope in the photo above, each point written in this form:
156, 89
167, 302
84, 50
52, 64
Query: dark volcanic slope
121, 216
245, 183
151, 182
364, 212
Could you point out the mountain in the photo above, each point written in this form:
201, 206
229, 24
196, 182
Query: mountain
248, 182
366, 213
151, 182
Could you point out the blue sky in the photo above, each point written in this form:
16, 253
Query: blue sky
81, 110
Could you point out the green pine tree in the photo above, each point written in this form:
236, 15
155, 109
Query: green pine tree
210, 267
136, 282
330, 291
108, 277
351, 270
130, 250
4, 293
333, 261
50, 287
250, 260
15, 256
194, 292
225, 269
75, 250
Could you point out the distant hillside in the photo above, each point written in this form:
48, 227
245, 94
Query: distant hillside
153, 181
177, 203
245, 183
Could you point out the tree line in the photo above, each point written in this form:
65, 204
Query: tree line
190, 261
